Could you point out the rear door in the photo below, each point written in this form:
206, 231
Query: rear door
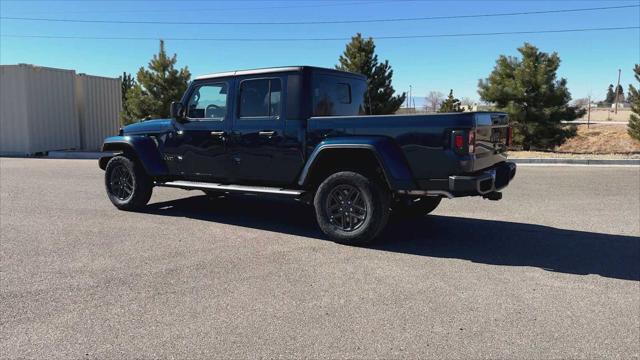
257, 141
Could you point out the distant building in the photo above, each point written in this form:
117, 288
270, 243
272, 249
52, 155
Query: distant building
477, 107
411, 110
621, 105
468, 108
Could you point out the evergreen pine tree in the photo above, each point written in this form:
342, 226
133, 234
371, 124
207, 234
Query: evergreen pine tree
156, 88
359, 56
620, 93
633, 128
127, 82
611, 95
451, 104
536, 101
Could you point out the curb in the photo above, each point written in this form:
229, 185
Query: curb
599, 122
567, 161
90, 155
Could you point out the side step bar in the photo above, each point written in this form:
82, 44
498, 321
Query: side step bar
195, 185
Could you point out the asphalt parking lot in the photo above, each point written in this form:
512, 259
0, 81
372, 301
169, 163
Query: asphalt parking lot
552, 270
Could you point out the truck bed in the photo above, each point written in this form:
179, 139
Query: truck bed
425, 139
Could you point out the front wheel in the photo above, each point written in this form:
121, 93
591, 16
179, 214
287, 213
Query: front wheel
128, 185
351, 208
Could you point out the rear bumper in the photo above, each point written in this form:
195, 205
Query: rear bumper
483, 182
492, 179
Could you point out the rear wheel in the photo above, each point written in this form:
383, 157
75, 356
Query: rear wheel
128, 185
416, 207
351, 208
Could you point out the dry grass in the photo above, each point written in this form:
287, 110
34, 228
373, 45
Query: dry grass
556, 155
601, 139
608, 115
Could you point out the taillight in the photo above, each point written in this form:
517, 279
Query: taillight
472, 141
509, 136
459, 142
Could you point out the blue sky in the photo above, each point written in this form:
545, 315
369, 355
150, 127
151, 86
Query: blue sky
589, 59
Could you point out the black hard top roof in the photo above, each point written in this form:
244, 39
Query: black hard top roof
278, 69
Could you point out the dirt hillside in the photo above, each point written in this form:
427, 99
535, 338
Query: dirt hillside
601, 139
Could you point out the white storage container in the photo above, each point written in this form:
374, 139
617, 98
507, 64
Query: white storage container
37, 110
99, 102
44, 109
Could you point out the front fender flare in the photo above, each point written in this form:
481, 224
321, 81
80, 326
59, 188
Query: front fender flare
391, 159
143, 147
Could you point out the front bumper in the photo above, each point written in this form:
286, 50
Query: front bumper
483, 182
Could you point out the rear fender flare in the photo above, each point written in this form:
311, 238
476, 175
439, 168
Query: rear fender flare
143, 147
390, 158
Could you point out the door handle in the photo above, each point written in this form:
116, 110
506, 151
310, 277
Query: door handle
218, 133
269, 133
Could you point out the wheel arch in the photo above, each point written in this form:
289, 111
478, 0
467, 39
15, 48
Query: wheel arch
373, 156
141, 148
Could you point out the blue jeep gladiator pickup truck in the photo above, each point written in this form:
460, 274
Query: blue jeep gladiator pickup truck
302, 132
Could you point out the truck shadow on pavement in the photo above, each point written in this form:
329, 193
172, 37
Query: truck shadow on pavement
481, 241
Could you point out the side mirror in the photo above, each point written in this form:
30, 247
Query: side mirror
177, 110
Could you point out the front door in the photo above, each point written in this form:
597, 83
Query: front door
197, 149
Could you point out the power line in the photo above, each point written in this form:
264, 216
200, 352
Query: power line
218, 10
160, 22
392, 37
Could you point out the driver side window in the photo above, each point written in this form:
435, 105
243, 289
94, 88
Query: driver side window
208, 102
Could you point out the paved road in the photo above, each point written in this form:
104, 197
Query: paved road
552, 270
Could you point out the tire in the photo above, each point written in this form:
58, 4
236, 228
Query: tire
364, 221
128, 185
415, 207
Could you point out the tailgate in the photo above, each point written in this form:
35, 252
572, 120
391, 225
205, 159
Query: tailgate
491, 137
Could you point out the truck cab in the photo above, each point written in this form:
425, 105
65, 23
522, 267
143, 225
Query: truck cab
302, 131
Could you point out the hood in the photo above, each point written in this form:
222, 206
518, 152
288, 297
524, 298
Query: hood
149, 126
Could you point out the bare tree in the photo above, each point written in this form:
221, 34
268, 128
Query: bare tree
466, 101
433, 101
581, 103
467, 104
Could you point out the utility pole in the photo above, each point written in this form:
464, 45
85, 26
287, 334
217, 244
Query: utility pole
617, 86
407, 104
589, 111
410, 89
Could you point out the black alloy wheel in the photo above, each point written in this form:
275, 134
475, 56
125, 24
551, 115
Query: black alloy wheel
346, 207
351, 208
121, 182
128, 186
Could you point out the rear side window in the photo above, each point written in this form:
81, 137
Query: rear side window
260, 98
338, 96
